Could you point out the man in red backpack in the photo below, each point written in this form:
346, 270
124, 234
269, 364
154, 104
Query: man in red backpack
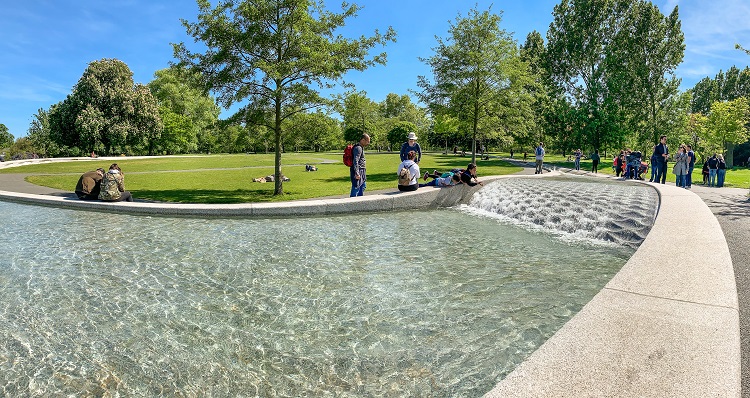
357, 171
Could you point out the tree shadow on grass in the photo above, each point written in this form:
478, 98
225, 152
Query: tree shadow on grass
260, 194
377, 177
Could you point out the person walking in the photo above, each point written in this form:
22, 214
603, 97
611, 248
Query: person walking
113, 186
411, 145
681, 166
713, 166
408, 173
661, 152
691, 166
721, 170
539, 154
578, 155
595, 161
89, 185
358, 170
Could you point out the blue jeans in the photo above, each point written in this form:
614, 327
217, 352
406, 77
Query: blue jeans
711, 177
721, 173
654, 166
690, 176
680, 180
358, 191
578, 163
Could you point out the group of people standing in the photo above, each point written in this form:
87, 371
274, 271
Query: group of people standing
714, 168
98, 185
408, 171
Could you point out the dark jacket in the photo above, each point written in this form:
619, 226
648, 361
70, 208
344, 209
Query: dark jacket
660, 150
359, 165
405, 148
89, 185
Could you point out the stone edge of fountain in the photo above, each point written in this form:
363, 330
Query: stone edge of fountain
667, 324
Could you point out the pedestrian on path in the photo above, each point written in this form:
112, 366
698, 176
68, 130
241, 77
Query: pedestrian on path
539, 155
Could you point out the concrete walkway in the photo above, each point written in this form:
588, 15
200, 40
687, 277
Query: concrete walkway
731, 206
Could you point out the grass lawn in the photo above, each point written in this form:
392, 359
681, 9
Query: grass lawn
228, 178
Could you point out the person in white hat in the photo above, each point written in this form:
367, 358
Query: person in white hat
411, 145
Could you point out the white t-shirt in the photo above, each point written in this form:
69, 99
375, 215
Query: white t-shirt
413, 170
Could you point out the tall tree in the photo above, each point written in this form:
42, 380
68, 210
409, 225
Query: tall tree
360, 114
272, 53
106, 110
727, 126
39, 136
185, 108
641, 63
577, 43
479, 77
6, 138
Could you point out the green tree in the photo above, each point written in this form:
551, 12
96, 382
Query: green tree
315, 131
39, 136
186, 109
106, 110
534, 53
640, 65
6, 138
396, 109
577, 44
273, 52
479, 77
360, 115
398, 133
727, 126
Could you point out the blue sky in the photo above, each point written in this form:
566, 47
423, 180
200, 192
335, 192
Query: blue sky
46, 45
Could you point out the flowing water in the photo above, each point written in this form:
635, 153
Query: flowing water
439, 303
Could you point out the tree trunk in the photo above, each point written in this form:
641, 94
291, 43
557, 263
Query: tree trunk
729, 158
278, 190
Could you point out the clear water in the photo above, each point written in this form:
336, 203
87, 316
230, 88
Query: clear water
439, 303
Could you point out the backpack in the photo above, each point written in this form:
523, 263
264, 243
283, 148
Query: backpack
109, 188
348, 157
404, 176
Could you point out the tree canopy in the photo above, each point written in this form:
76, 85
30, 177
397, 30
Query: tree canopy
6, 138
479, 77
275, 54
106, 111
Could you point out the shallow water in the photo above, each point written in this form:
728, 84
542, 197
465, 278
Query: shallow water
439, 303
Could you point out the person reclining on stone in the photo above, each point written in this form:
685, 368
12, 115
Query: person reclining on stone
447, 181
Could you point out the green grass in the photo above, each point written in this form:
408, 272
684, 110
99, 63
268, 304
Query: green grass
228, 178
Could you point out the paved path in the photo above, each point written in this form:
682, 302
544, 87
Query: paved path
731, 206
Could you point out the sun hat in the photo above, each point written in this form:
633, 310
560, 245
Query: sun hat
412, 136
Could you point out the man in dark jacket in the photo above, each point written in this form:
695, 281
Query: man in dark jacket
89, 184
661, 153
358, 170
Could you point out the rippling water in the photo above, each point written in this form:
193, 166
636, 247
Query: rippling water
436, 303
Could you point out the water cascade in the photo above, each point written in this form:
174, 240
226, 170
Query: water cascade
572, 208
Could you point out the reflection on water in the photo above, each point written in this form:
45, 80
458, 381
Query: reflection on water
404, 304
